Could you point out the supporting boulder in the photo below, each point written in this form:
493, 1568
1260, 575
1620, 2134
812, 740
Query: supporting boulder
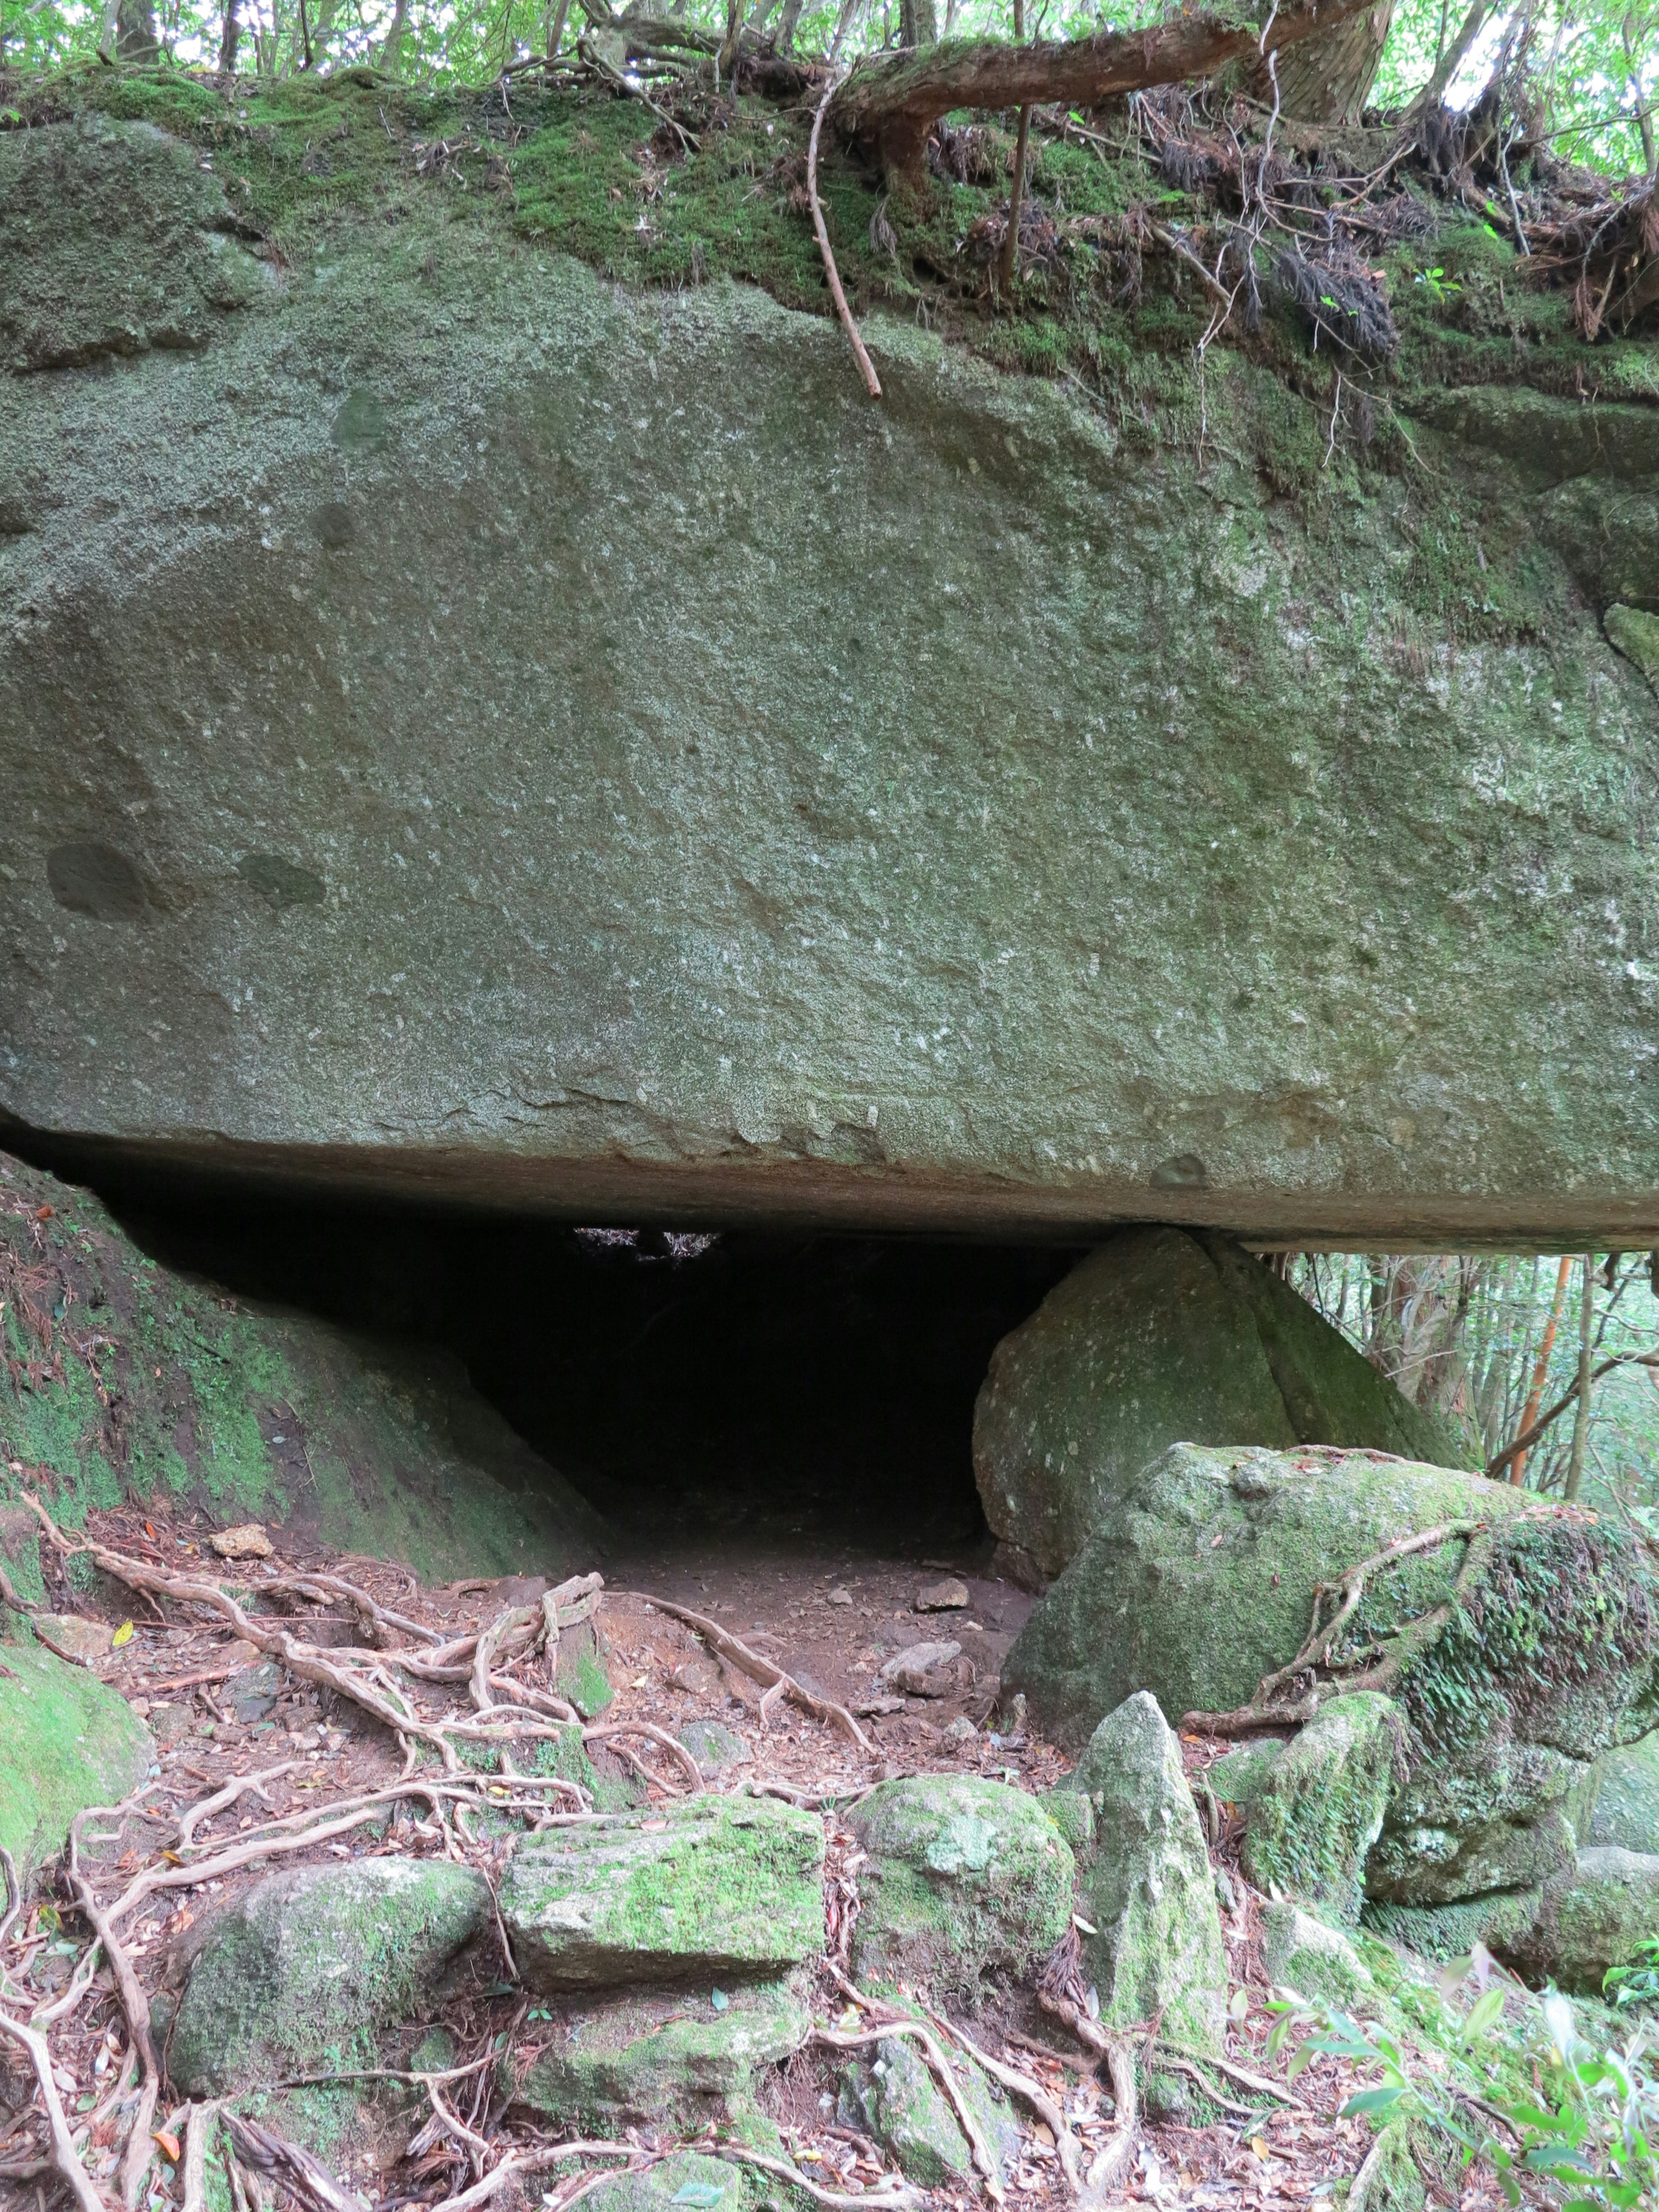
1591, 1917
677, 2057
1148, 1892
969, 1882
1304, 1954
1627, 1808
1517, 1640
895, 2099
1164, 1336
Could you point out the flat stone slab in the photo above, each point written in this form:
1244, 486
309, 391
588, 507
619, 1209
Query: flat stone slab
682, 2056
717, 1885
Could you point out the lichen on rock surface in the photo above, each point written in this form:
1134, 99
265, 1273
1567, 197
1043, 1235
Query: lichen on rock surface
682, 2058
1591, 1917
1303, 1953
1322, 1803
895, 2099
251, 1411
309, 1969
66, 1741
901, 936
712, 1885
968, 1883
1164, 1336
1148, 1891
1626, 1808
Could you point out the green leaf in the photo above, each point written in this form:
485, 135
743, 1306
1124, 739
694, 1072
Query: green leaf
1483, 2013
1371, 2100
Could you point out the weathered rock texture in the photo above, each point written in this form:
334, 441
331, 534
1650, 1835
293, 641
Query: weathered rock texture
464, 727
66, 1743
682, 2056
1322, 1805
1201, 1582
1159, 1338
121, 1377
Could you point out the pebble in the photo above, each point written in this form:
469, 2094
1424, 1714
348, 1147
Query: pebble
947, 1596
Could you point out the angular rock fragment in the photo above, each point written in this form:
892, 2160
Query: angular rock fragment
968, 1882
309, 1968
710, 1887
74, 1638
675, 2057
1321, 1805
1148, 1891
1306, 1954
1591, 1917
896, 2100
66, 1741
926, 1670
947, 1596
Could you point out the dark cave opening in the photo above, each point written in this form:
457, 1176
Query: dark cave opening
785, 1390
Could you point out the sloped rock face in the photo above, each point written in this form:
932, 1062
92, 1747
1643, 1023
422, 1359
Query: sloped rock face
128, 1377
1159, 1338
66, 1743
466, 729
1201, 1582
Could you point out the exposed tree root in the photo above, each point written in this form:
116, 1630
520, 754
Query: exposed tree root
759, 1669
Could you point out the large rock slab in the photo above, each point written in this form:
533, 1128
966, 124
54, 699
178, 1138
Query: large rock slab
309, 1969
710, 1887
66, 1743
683, 2057
1148, 1892
1201, 1582
968, 1884
987, 809
1627, 1808
1163, 1337
895, 2099
255, 1412
1591, 1917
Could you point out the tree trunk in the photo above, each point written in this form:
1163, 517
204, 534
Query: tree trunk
1541, 1370
1451, 59
134, 31
392, 46
787, 26
918, 23
1582, 1411
1328, 76
892, 101
227, 38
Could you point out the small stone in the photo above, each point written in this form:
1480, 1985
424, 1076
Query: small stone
697, 1678
924, 1670
960, 1730
896, 2102
1073, 1815
1242, 1775
1304, 1954
839, 1597
709, 1886
252, 1692
969, 1881
714, 1747
74, 1639
947, 1596
239, 1652
1148, 1892
248, 1540
873, 1708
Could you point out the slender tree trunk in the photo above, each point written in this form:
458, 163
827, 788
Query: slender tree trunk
788, 24
1540, 1367
305, 37
1451, 58
557, 16
918, 23
1010, 264
725, 62
392, 45
1643, 113
135, 31
229, 36
1581, 1414
1327, 78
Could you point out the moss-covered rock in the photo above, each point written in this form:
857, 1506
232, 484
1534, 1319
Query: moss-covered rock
1626, 1808
1164, 1336
708, 1888
1636, 634
141, 1382
1073, 1815
1169, 850
65, 1742
690, 2177
1201, 1582
1305, 1953
680, 2059
969, 1882
1590, 1918
311, 1968
1321, 1807
1240, 1777
1500, 1920
896, 2100
1149, 1892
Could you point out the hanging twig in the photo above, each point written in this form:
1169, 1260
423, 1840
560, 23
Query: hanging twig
871, 381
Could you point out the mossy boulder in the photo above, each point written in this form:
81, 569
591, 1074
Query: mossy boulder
1238, 1777
968, 1883
708, 1888
1627, 1808
66, 1743
895, 2099
1164, 1336
252, 1411
1321, 1804
1305, 1953
680, 2059
1148, 1892
691, 2178
1501, 1919
1201, 1582
1590, 1918
310, 1969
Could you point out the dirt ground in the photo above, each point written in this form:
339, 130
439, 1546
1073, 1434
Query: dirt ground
829, 1620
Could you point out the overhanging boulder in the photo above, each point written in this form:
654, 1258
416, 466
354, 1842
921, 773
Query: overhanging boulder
1163, 1337
468, 729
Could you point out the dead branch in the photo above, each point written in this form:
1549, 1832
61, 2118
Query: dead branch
839, 2200
759, 1669
272, 2154
1023, 2085
1109, 2164
892, 101
871, 381
64, 2160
